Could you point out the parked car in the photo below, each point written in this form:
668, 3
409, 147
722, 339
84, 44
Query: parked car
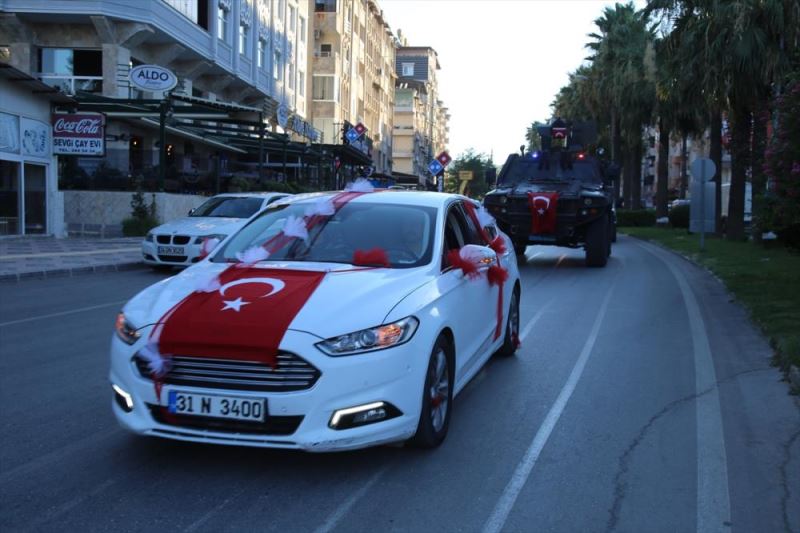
179, 242
347, 328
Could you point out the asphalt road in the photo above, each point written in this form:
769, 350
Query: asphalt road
641, 400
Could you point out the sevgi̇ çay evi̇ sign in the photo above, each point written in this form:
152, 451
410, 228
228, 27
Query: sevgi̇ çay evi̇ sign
153, 78
79, 134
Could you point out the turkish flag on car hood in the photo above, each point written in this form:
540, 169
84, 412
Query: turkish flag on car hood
543, 211
245, 319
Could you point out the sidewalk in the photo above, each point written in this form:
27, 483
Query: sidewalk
42, 257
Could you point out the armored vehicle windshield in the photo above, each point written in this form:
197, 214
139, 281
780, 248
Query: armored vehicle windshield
540, 169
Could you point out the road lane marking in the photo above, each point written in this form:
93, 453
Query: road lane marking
515, 485
336, 517
713, 496
62, 313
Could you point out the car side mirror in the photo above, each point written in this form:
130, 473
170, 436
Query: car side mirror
483, 256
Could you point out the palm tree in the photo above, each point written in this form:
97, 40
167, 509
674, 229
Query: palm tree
741, 48
622, 50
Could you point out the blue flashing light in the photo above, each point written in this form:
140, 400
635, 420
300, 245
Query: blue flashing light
535, 155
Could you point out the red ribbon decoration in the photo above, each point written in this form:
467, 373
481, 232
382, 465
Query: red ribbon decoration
374, 257
543, 207
469, 268
499, 247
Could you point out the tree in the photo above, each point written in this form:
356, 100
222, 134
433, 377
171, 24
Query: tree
621, 52
478, 164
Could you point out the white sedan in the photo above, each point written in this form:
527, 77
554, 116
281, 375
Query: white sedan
329, 322
180, 242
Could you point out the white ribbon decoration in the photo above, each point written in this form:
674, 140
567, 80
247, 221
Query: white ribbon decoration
295, 227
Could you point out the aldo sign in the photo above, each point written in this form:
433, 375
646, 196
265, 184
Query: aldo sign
153, 78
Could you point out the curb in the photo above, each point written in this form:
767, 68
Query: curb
793, 373
71, 272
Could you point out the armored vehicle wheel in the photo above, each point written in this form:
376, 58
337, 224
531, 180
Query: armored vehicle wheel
597, 245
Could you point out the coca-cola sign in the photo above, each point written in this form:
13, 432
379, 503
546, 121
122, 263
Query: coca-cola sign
79, 134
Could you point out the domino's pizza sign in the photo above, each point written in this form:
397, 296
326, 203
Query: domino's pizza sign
153, 78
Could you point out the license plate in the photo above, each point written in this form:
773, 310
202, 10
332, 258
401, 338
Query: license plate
217, 406
170, 250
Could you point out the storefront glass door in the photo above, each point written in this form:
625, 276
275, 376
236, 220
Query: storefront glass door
35, 199
9, 198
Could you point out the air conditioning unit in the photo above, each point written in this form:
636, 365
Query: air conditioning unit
317, 34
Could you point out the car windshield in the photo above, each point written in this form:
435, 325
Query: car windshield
229, 207
404, 232
544, 168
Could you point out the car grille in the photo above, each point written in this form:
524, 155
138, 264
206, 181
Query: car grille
273, 425
292, 373
173, 239
173, 258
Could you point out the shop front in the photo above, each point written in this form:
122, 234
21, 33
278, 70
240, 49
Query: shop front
29, 200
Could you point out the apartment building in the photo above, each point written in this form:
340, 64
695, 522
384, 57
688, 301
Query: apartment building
237, 62
354, 81
421, 119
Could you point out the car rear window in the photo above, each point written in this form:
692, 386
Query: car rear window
229, 207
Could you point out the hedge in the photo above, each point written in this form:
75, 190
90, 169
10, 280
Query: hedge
636, 217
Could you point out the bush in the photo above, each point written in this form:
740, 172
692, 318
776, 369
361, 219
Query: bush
636, 217
679, 216
781, 209
143, 217
138, 227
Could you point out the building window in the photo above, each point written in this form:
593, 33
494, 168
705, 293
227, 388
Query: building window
243, 40
281, 9
302, 29
324, 88
222, 24
325, 6
291, 76
408, 69
277, 68
72, 70
325, 50
292, 19
301, 84
262, 49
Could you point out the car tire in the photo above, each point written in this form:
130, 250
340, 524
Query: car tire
597, 246
511, 340
519, 249
437, 397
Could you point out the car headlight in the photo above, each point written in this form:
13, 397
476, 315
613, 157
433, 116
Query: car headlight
125, 330
202, 238
372, 339
149, 237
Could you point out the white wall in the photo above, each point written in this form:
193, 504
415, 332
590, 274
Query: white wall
101, 213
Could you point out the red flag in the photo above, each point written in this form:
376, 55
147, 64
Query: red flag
245, 319
543, 207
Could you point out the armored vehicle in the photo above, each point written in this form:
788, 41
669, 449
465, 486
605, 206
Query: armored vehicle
560, 195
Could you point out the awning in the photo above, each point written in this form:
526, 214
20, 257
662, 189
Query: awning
35, 86
348, 155
193, 137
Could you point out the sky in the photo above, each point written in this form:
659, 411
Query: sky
503, 61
